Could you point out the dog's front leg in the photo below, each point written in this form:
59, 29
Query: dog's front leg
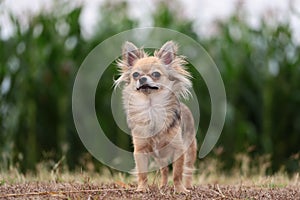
177, 174
141, 162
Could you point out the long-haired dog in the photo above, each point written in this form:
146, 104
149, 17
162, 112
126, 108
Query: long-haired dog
161, 126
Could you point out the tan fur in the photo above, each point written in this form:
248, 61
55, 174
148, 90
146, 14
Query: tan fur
162, 127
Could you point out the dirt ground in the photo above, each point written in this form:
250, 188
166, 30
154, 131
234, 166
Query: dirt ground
52, 190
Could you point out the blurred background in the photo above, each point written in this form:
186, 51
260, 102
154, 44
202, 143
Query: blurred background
255, 44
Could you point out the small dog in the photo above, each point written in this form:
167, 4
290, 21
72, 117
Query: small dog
161, 126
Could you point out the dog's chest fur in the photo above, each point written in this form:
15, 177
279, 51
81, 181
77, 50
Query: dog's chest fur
151, 114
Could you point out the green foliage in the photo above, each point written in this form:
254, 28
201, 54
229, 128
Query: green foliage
260, 69
40, 67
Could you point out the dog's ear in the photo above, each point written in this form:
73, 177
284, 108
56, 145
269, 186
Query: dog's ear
130, 53
167, 52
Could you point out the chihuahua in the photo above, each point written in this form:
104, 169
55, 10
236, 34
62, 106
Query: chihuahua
161, 126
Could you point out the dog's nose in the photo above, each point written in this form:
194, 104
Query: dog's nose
143, 80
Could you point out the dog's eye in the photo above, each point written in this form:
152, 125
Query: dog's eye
135, 75
156, 74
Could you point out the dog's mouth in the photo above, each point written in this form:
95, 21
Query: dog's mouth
147, 87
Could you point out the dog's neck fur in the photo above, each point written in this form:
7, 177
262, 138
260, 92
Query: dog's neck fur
151, 114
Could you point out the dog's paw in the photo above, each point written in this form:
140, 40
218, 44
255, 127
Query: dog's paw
163, 189
188, 186
142, 188
180, 190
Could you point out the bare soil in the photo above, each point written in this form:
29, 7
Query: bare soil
73, 190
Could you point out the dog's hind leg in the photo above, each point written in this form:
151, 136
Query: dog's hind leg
164, 171
189, 160
164, 176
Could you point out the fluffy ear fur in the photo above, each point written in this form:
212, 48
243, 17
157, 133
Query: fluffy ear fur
167, 52
130, 53
176, 68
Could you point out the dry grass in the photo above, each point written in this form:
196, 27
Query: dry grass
243, 182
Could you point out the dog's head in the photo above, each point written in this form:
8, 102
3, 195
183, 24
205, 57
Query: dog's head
151, 74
